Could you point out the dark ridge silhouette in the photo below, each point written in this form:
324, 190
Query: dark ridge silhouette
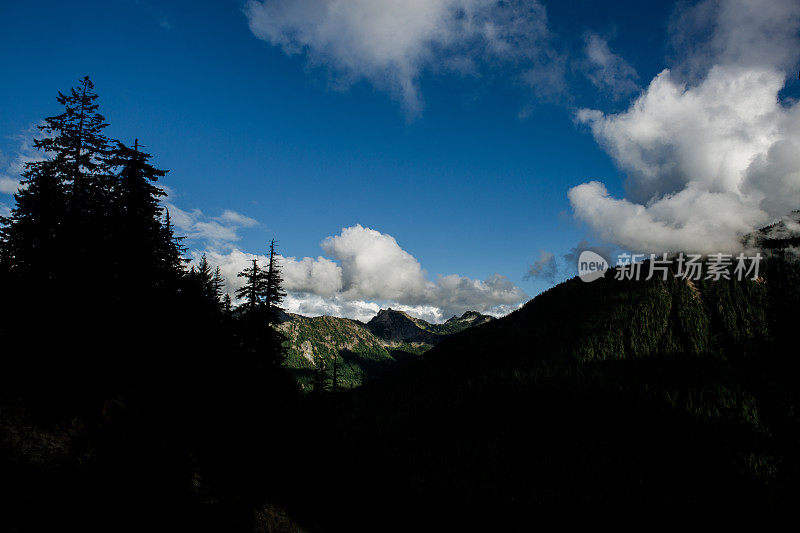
647, 394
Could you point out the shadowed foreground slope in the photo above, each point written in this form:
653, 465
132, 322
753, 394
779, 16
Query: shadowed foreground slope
603, 393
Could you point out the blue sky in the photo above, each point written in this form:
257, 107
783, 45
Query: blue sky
462, 143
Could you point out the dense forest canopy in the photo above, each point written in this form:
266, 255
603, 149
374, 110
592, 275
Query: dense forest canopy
106, 329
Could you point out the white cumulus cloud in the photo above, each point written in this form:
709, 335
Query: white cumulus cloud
319, 276
706, 159
375, 266
748, 33
367, 270
390, 42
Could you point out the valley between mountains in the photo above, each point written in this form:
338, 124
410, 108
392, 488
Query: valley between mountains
362, 351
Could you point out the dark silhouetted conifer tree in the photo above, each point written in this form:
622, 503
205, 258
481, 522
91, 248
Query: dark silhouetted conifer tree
273, 289
217, 283
252, 292
31, 237
170, 248
261, 339
136, 219
79, 155
102, 327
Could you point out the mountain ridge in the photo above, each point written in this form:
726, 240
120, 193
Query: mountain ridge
363, 351
651, 393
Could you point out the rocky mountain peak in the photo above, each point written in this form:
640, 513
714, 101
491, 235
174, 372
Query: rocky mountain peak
396, 327
469, 316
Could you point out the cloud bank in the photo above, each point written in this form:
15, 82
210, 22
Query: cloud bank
707, 156
368, 270
390, 42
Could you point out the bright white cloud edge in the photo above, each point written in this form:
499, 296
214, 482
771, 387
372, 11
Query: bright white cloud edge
368, 271
709, 157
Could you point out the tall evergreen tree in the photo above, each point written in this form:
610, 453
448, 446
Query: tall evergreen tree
273, 289
30, 237
217, 283
139, 197
261, 340
204, 277
170, 249
58, 223
80, 150
208, 283
252, 292
84, 338
136, 218
320, 383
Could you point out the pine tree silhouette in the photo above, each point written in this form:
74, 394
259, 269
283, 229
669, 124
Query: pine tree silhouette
217, 284
204, 277
80, 149
136, 219
252, 292
80, 153
31, 236
273, 289
170, 249
89, 242
102, 326
60, 208
262, 294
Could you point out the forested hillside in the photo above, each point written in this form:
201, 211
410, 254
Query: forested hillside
341, 353
132, 396
648, 393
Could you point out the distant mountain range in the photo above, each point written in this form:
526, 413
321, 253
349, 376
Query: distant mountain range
364, 351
